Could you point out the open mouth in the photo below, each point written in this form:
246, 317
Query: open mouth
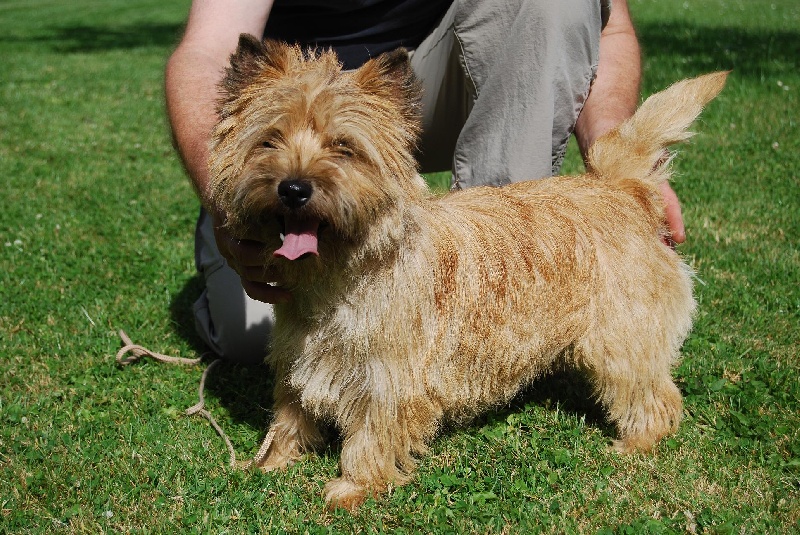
300, 237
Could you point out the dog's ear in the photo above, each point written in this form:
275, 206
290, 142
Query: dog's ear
254, 58
244, 65
390, 76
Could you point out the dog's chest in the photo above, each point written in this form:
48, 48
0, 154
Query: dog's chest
363, 349
331, 362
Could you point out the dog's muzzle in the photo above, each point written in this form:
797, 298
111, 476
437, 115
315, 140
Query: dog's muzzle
300, 228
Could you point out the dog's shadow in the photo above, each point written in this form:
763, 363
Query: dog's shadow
245, 390
567, 391
246, 393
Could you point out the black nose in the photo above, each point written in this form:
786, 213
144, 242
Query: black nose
294, 193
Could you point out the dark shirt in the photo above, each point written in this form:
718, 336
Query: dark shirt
356, 29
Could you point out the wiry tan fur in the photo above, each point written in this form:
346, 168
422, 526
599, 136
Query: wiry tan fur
420, 308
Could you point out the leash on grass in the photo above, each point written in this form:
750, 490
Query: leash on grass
137, 352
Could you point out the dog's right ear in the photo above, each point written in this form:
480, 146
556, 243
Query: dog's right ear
253, 59
244, 65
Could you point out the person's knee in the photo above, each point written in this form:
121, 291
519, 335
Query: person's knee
248, 346
234, 327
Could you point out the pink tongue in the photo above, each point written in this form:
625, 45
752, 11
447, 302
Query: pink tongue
300, 238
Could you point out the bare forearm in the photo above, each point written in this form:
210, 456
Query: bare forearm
194, 71
614, 97
615, 91
191, 92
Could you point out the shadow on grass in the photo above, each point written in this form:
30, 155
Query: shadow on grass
89, 39
567, 391
180, 309
749, 52
245, 390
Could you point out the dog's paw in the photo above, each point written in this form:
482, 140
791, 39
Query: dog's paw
278, 459
644, 444
271, 465
621, 446
341, 492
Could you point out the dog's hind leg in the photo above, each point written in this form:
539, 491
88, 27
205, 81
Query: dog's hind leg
645, 410
637, 390
292, 433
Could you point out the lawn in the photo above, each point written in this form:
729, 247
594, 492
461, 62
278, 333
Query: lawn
96, 235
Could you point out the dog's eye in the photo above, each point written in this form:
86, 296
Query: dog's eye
343, 147
267, 144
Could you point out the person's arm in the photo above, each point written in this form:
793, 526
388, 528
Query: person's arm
615, 94
615, 90
194, 71
192, 77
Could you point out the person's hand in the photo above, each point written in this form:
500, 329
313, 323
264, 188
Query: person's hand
246, 257
672, 212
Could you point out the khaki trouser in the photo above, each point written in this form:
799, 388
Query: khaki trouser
503, 84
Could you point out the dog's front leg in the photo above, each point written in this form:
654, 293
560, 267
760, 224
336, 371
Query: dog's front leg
378, 450
292, 433
368, 464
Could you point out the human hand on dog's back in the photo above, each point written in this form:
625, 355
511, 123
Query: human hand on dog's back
672, 212
615, 96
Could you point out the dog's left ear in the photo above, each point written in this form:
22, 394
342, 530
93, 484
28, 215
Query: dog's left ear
390, 76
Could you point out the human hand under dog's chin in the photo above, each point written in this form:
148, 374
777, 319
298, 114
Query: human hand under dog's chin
266, 292
246, 257
672, 212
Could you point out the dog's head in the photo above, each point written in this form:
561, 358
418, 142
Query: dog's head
304, 147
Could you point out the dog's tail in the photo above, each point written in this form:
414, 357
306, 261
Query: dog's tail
637, 147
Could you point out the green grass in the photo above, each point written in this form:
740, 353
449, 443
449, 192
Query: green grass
96, 223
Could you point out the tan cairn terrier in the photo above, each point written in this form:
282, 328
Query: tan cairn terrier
408, 308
